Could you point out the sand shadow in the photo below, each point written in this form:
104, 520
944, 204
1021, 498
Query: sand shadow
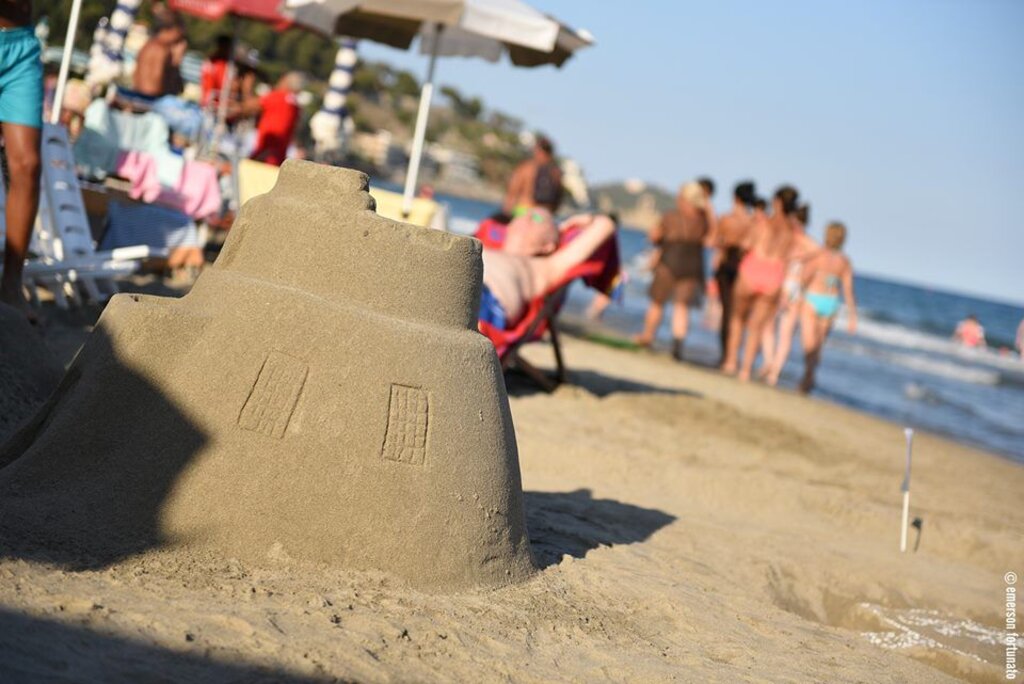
573, 523
38, 650
69, 494
594, 382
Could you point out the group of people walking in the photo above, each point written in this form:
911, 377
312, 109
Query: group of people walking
768, 275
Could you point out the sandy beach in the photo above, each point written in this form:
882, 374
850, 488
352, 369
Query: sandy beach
688, 528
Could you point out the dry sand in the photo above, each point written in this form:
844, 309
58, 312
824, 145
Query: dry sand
689, 529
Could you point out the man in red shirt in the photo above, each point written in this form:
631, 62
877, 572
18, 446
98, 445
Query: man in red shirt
279, 114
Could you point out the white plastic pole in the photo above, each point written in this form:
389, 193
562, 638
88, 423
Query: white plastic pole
909, 434
65, 62
230, 72
421, 129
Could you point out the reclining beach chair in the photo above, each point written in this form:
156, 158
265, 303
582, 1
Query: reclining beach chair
65, 260
600, 271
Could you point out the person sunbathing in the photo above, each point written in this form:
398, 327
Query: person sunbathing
512, 281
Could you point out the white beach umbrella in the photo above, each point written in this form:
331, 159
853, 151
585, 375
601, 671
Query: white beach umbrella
468, 28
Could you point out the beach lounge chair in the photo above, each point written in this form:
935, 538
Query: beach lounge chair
64, 258
600, 271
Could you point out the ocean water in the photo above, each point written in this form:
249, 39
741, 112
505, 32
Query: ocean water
901, 364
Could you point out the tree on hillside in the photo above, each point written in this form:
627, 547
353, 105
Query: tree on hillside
406, 84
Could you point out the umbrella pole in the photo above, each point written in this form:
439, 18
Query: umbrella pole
65, 63
221, 122
421, 129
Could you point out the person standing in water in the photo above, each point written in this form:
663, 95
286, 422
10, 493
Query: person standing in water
536, 182
21, 119
731, 233
776, 352
970, 333
760, 283
825, 275
679, 273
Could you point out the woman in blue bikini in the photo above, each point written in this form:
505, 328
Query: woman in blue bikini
825, 275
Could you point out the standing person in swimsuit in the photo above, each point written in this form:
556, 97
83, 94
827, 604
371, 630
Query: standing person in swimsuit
157, 66
760, 282
537, 182
804, 247
21, 119
732, 231
679, 273
708, 186
825, 275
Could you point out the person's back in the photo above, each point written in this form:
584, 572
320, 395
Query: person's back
774, 240
826, 271
685, 225
279, 115
733, 230
156, 73
536, 181
547, 186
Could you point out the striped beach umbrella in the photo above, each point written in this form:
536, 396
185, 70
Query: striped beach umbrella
106, 57
332, 124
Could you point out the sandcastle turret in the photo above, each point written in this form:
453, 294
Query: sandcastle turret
321, 394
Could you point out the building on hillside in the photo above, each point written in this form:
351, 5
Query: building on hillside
454, 166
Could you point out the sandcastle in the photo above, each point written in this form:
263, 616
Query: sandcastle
321, 395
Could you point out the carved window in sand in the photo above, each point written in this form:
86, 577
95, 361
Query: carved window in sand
406, 437
273, 396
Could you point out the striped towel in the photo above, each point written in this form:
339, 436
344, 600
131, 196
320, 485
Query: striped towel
148, 224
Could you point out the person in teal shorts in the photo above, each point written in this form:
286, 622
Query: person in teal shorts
21, 118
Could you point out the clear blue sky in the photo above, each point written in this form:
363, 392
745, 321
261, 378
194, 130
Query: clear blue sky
903, 119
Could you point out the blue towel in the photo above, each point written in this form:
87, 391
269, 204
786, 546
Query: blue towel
148, 224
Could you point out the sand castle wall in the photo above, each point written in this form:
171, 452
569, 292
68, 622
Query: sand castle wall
321, 394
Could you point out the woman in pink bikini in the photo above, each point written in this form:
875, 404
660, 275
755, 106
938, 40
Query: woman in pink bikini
761, 274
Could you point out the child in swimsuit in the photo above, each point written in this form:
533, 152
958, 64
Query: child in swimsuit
826, 275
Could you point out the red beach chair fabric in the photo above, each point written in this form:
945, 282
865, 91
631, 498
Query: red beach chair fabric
601, 272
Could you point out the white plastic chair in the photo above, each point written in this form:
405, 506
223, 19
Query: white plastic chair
66, 260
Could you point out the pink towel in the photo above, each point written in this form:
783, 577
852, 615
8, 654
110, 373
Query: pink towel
141, 171
197, 192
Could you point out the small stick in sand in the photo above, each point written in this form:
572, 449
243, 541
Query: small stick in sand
909, 433
918, 525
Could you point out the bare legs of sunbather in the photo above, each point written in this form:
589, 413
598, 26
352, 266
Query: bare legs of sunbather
515, 280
